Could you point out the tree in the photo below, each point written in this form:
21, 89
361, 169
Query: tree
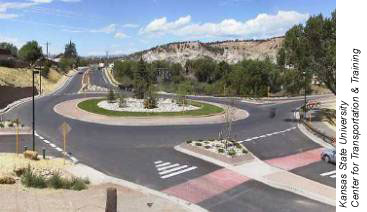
10, 47
30, 52
111, 96
312, 49
141, 80
70, 51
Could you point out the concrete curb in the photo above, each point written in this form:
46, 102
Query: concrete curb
309, 134
263, 179
97, 177
74, 112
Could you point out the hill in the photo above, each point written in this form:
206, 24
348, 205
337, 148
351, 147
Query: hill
231, 51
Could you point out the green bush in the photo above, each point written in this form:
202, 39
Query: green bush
30, 179
244, 151
56, 181
198, 144
221, 150
2, 125
232, 152
207, 147
188, 142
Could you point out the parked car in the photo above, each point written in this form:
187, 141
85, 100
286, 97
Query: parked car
328, 155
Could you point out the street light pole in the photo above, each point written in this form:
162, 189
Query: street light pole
33, 124
305, 106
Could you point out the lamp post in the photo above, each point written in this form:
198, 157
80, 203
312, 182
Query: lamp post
34, 71
305, 106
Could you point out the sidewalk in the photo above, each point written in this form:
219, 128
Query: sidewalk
17, 198
275, 173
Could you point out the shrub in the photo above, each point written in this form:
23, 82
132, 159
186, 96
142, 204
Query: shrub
244, 151
150, 102
188, 142
221, 150
198, 144
78, 184
207, 147
6, 180
30, 179
2, 125
232, 152
56, 181
11, 124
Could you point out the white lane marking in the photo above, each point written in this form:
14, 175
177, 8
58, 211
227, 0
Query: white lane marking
40, 137
58, 149
266, 135
46, 141
158, 162
179, 172
168, 167
74, 159
328, 173
333, 176
172, 170
163, 164
36, 134
53, 145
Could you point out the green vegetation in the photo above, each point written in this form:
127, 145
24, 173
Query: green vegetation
111, 96
311, 48
205, 109
31, 179
10, 47
30, 52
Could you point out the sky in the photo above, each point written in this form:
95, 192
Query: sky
126, 26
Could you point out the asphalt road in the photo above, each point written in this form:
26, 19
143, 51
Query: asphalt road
130, 152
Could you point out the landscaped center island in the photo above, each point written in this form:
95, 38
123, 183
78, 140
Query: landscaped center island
135, 107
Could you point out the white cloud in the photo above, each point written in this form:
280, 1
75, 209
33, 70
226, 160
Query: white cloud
71, 1
262, 26
107, 29
120, 35
130, 25
42, 1
162, 26
7, 16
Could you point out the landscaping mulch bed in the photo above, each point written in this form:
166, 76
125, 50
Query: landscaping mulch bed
235, 160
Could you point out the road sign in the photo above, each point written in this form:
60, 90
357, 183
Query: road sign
64, 128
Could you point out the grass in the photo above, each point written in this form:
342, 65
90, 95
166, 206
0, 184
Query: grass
90, 105
30, 179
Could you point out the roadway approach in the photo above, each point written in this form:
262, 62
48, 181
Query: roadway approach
134, 153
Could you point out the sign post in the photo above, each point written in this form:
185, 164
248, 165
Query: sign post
64, 130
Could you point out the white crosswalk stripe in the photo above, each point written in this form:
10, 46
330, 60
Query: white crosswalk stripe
167, 169
331, 174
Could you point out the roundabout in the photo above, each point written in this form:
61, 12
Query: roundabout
197, 113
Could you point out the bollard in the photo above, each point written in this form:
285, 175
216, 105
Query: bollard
44, 153
25, 148
111, 203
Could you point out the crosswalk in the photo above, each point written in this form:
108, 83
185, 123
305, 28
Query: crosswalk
167, 169
331, 174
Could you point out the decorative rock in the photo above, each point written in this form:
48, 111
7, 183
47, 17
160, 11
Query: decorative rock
31, 155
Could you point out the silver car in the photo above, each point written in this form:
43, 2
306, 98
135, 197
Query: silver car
328, 155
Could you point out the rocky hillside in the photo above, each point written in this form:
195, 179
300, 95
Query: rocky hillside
231, 51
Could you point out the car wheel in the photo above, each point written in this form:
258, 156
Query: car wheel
326, 159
